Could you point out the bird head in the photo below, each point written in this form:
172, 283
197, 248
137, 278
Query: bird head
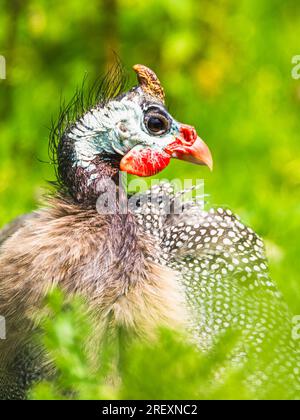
132, 132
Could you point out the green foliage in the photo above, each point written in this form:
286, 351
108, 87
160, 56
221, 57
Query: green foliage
169, 367
67, 328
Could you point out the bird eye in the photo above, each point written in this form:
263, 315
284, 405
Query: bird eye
157, 123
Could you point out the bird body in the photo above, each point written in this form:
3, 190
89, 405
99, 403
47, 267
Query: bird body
106, 259
202, 271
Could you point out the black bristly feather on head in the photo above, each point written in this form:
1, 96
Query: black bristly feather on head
87, 96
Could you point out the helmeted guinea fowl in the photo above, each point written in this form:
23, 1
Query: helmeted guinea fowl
151, 265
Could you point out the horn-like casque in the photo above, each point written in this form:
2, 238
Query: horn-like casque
149, 82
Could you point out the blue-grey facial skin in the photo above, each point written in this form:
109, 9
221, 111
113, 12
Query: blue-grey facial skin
115, 129
92, 149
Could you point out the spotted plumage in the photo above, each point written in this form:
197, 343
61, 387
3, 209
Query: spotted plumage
166, 261
223, 268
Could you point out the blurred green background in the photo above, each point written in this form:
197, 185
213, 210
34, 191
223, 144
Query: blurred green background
226, 67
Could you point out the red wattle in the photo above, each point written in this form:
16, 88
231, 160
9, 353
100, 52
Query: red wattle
144, 161
185, 140
188, 133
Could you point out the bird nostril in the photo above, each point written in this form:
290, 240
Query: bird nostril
189, 134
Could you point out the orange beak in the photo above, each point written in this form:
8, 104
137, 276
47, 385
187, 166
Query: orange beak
198, 154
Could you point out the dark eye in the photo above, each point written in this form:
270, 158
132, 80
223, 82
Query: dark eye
157, 124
